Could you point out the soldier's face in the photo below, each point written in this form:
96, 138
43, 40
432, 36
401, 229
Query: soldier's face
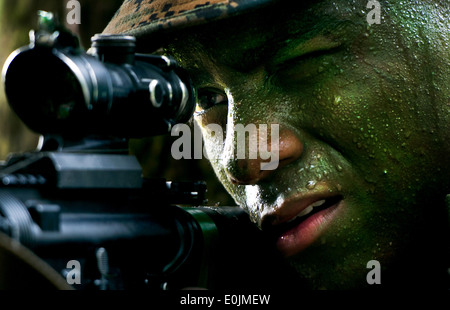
363, 114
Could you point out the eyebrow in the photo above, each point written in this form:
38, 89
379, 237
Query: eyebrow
320, 37
301, 47
200, 77
245, 56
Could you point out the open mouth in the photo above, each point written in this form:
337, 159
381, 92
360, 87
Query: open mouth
309, 211
296, 233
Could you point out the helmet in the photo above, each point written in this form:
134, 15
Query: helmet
144, 17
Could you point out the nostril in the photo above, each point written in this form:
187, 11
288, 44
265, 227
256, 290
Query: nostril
249, 177
245, 177
244, 182
234, 181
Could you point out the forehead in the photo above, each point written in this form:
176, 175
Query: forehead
246, 41
243, 41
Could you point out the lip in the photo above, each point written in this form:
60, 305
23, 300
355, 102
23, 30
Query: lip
292, 239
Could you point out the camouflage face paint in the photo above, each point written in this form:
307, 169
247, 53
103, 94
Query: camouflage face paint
367, 108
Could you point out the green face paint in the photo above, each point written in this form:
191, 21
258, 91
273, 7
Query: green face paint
369, 104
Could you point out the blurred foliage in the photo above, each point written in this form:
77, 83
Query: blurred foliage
17, 18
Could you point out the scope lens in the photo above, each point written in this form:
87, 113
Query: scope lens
43, 91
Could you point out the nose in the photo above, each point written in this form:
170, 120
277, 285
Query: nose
248, 171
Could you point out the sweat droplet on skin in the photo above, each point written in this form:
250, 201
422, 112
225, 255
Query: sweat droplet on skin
337, 100
311, 185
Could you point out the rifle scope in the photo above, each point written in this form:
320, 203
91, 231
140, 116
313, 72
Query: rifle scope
57, 88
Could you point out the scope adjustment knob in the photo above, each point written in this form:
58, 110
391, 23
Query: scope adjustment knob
156, 93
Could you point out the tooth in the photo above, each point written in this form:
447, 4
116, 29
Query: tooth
318, 203
305, 211
308, 209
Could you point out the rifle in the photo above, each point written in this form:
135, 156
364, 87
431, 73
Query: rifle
80, 201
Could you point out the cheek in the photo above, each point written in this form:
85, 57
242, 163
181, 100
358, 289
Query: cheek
370, 114
379, 125
214, 136
213, 127
215, 115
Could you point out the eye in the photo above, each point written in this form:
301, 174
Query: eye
305, 68
209, 97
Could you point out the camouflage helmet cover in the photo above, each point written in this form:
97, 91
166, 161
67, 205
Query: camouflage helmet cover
143, 17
